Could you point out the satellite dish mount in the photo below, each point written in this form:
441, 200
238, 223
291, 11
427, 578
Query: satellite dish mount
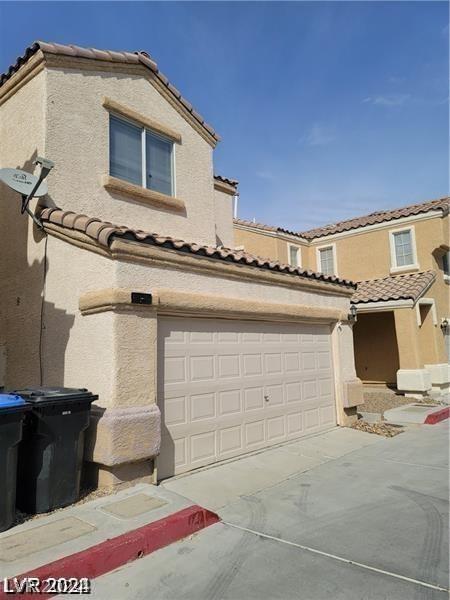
27, 185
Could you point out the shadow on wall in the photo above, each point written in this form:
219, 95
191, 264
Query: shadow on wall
26, 315
166, 459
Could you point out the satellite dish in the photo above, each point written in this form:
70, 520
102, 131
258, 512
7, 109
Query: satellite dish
23, 182
28, 185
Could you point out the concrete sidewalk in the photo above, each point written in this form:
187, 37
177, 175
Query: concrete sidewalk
48, 538
371, 524
223, 484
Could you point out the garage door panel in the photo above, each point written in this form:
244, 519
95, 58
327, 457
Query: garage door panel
230, 387
229, 402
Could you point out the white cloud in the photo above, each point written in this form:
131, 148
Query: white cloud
388, 99
268, 175
318, 136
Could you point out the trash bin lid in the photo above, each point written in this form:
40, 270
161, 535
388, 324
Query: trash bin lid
47, 395
11, 401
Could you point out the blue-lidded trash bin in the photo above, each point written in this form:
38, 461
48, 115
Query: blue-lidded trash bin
51, 451
12, 411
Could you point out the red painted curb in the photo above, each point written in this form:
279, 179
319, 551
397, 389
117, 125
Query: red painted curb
115, 552
438, 416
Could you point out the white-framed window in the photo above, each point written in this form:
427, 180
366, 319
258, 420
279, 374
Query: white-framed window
294, 255
403, 249
140, 156
326, 259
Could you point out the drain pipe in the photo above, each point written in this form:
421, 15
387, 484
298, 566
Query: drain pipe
235, 206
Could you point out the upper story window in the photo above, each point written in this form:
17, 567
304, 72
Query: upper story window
294, 256
326, 260
403, 249
140, 156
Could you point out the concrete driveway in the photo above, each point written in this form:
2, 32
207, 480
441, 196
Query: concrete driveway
365, 523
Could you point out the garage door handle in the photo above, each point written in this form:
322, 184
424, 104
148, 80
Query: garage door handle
266, 398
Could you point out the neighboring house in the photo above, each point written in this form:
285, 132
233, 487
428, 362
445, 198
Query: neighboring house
199, 352
401, 260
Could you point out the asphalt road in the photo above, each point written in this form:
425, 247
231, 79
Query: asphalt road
371, 525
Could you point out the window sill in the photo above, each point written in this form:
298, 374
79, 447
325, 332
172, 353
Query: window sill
140, 194
404, 269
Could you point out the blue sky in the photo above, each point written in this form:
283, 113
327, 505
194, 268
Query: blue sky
327, 110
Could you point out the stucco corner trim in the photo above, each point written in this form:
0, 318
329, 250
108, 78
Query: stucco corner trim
353, 393
112, 299
214, 305
140, 119
171, 302
140, 194
122, 435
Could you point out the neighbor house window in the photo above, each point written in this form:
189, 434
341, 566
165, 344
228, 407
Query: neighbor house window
403, 250
294, 256
326, 260
140, 156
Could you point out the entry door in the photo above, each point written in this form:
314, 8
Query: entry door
226, 388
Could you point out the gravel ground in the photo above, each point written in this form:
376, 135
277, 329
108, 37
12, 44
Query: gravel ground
378, 402
378, 428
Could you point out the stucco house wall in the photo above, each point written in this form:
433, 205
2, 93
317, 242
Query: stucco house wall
365, 254
69, 319
270, 244
22, 135
223, 207
77, 133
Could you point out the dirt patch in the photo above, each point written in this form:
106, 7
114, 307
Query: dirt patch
85, 496
378, 428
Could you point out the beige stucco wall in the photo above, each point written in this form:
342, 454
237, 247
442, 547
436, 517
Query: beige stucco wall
269, 244
223, 207
365, 254
77, 139
22, 138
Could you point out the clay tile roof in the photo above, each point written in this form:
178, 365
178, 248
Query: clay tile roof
263, 227
104, 233
233, 182
399, 287
381, 216
139, 57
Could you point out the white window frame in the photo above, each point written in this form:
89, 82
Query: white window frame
299, 255
394, 267
319, 262
426, 302
144, 130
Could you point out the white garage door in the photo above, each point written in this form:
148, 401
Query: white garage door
230, 387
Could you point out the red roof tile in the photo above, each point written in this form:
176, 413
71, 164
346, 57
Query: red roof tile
104, 233
378, 217
410, 286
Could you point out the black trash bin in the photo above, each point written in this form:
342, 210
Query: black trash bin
12, 411
51, 452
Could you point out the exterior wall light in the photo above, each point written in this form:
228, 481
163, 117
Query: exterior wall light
352, 317
445, 324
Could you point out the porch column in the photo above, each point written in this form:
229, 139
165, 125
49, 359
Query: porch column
412, 378
349, 388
